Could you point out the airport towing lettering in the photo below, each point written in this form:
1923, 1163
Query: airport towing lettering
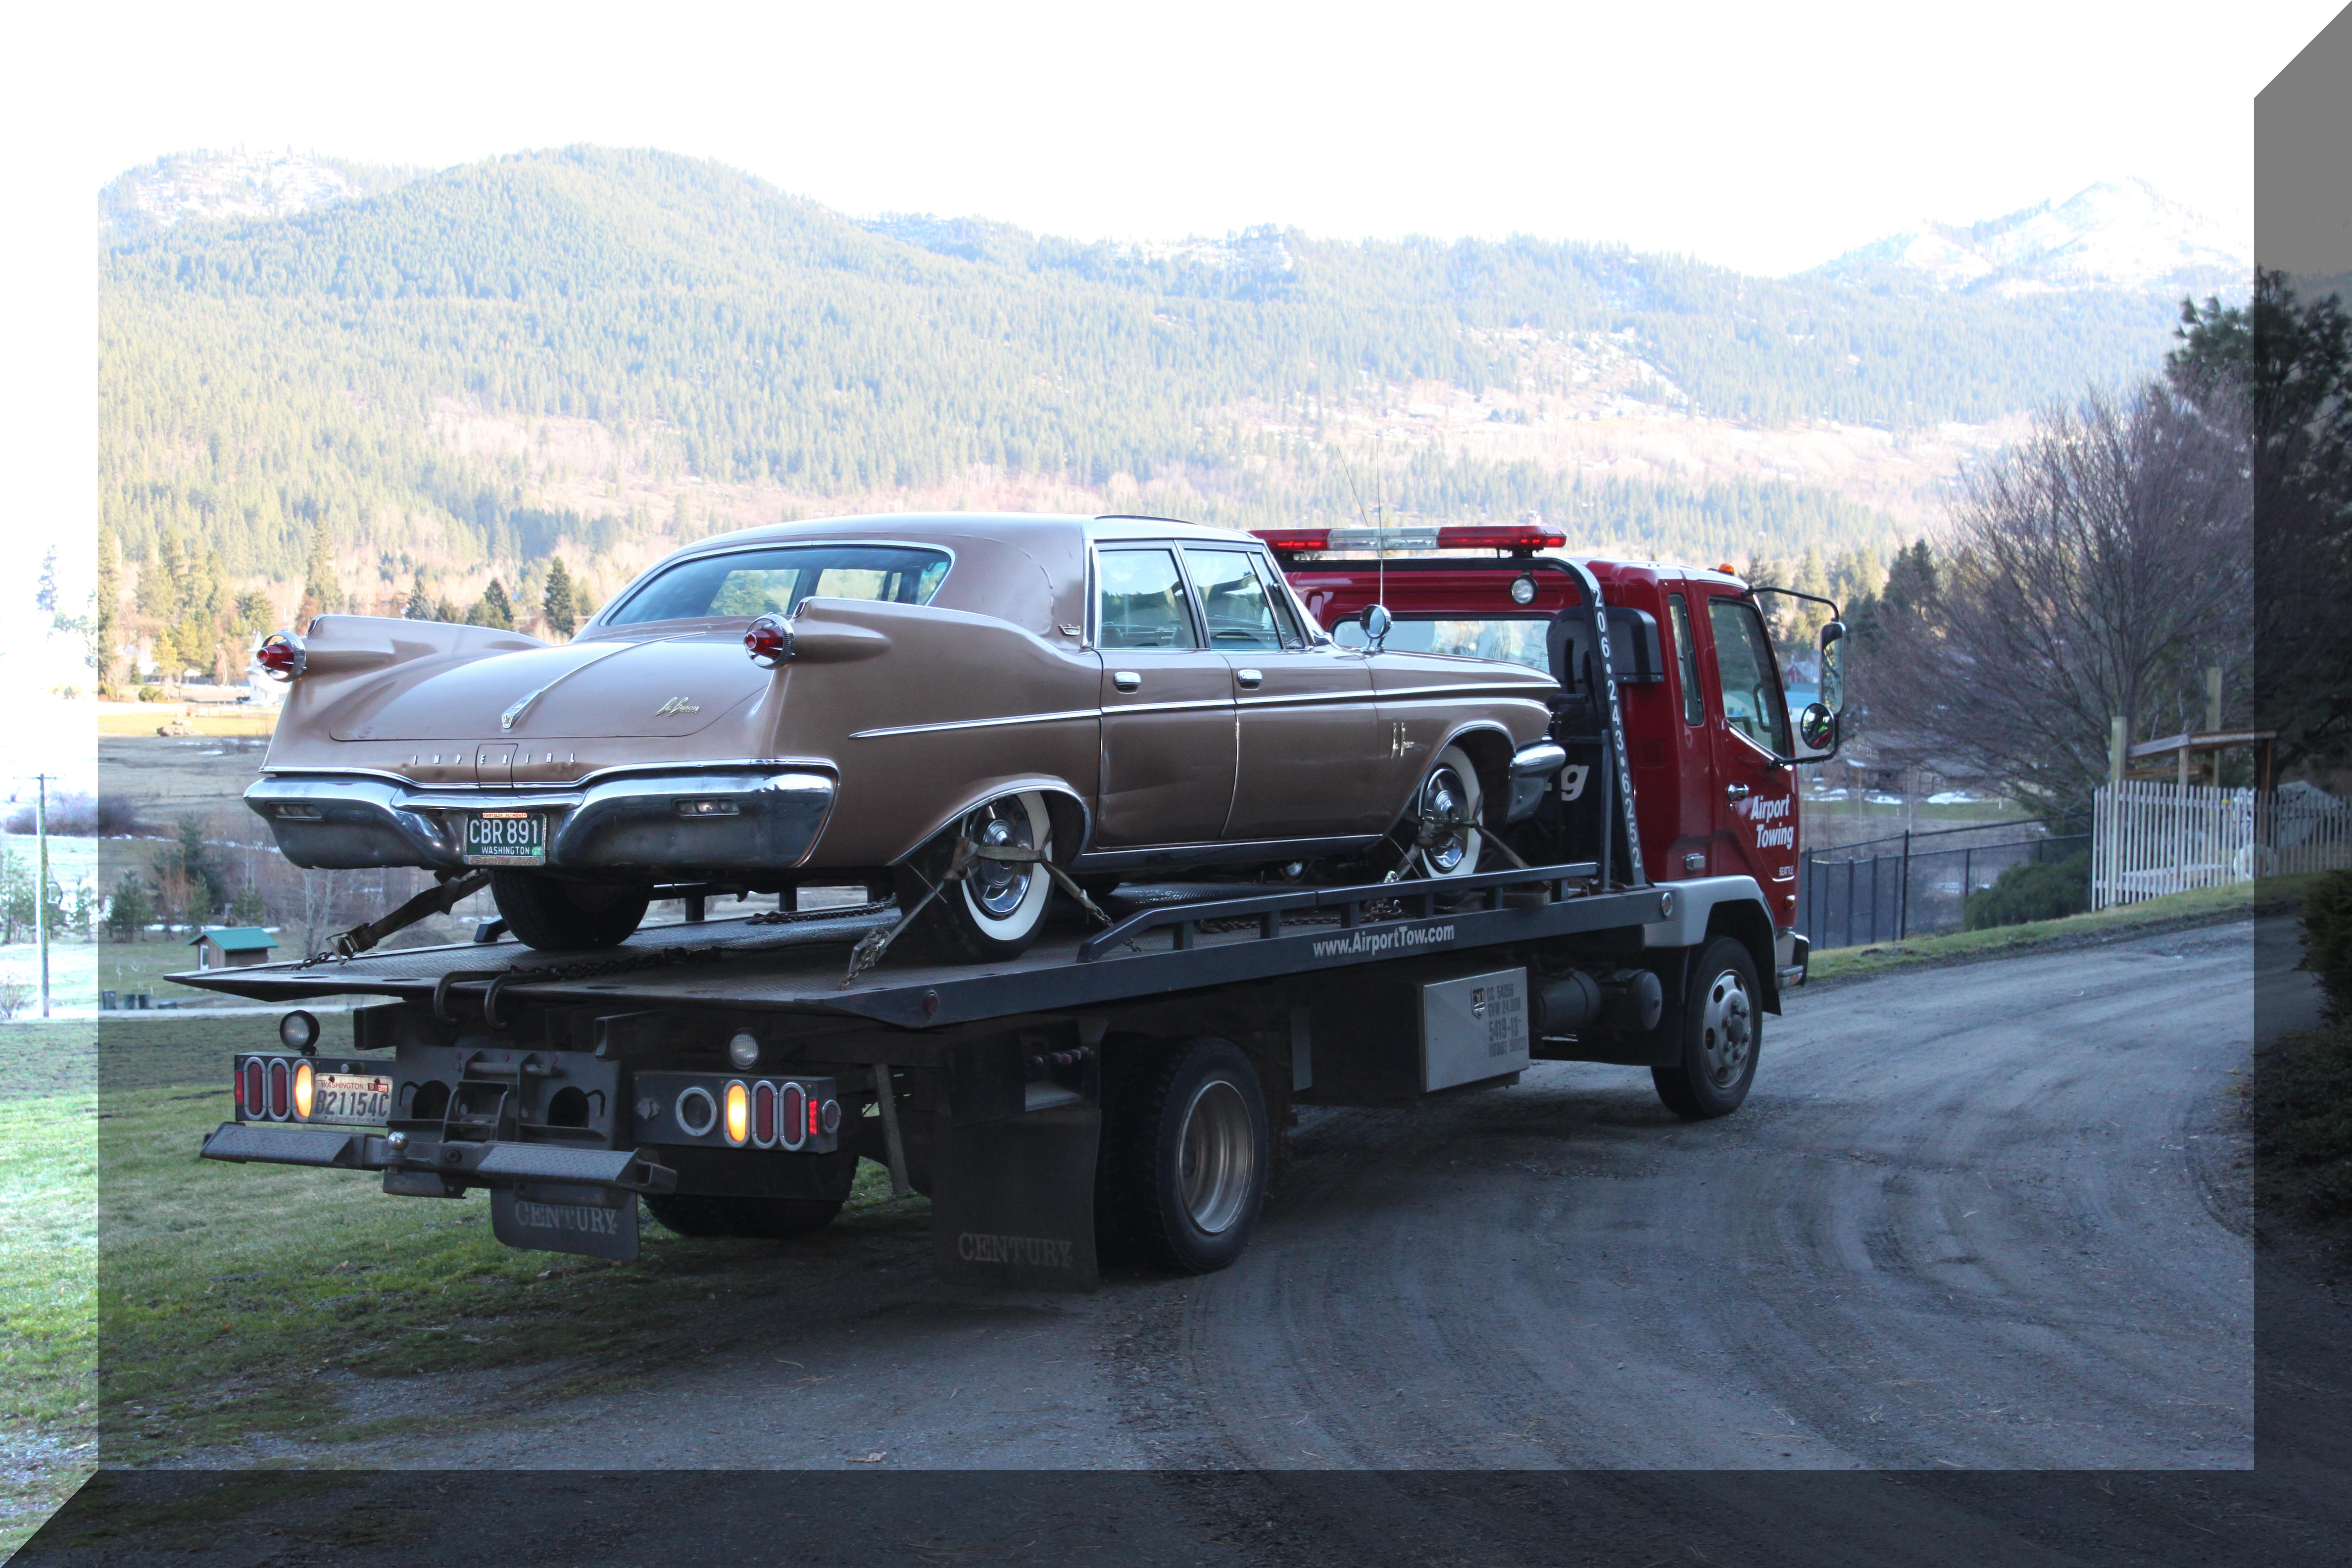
1619, 889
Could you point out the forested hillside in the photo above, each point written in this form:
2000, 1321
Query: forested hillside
594, 354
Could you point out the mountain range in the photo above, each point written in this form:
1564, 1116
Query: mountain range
441, 377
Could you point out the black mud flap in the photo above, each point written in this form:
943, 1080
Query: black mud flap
1013, 1201
594, 1222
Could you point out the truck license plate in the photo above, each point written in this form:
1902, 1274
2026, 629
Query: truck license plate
506, 838
354, 1096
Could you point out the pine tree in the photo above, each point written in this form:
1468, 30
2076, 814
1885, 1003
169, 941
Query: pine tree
556, 605
493, 608
105, 611
420, 606
322, 591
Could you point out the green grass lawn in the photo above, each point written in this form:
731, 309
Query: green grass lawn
2241, 897
48, 1268
233, 1299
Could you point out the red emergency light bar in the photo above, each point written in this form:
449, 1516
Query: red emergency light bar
1465, 536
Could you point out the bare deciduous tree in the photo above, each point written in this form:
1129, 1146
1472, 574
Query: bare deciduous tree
2095, 570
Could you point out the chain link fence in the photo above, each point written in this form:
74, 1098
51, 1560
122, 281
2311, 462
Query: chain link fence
1913, 884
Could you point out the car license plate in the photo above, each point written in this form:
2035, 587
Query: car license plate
506, 838
361, 1097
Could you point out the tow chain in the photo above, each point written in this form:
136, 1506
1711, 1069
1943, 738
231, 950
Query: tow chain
875, 943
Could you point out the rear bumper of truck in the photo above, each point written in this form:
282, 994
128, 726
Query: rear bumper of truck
452, 1166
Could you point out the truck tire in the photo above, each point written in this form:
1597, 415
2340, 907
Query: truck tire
1187, 1153
1719, 1028
700, 1213
556, 915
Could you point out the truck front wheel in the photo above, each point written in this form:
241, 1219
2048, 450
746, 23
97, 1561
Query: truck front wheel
1187, 1150
1719, 1027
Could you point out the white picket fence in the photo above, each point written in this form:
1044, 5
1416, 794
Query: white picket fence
2149, 839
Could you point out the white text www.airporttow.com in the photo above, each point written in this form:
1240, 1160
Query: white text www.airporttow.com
1365, 942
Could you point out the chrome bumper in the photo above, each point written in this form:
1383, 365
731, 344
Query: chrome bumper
718, 822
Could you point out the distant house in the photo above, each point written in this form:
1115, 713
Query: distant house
228, 947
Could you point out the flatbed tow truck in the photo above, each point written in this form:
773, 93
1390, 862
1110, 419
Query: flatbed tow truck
1118, 1090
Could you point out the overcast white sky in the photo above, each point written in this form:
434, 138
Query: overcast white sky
1763, 137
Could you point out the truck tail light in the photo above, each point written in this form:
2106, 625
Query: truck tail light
1514, 536
739, 1113
768, 641
304, 1086
763, 1114
280, 656
252, 1091
791, 1116
1287, 539
279, 1088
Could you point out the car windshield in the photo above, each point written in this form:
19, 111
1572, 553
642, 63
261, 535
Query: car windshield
774, 581
1518, 640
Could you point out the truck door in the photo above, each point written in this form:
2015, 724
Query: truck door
1310, 736
1168, 733
1756, 798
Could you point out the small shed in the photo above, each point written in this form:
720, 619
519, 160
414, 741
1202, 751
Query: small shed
229, 947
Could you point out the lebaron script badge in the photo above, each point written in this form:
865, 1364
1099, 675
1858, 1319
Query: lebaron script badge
676, 705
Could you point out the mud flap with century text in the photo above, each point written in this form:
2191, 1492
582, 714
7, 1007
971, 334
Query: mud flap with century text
593, 1222
1013, 1202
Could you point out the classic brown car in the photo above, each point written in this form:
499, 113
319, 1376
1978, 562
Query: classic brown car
917, 701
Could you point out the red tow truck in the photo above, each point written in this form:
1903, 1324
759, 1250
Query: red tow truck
1123, 1088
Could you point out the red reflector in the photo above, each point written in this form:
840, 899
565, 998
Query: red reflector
763, 1114
788, 1116
816, 1114
1515, 536
1295, 538
278, 1089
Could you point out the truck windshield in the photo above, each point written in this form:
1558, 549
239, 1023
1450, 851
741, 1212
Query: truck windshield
1514, 640
775, 581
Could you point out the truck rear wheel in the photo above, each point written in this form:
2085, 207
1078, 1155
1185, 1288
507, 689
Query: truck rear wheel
703, 1214
1719, 1027
1187, 1154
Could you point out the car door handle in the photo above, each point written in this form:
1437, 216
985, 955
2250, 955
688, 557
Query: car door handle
1248, 679
1735, 793
1127, 680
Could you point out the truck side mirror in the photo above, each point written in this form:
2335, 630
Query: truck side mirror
1817, 726
1832, 667
1377, 622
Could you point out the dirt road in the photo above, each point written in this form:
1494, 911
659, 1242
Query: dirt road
1992, 1219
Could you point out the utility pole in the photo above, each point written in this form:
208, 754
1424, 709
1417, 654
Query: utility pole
41, 885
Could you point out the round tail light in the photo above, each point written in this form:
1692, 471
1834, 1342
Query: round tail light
280, 656
768, 641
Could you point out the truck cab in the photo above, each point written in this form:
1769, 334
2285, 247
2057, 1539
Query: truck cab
1711, 742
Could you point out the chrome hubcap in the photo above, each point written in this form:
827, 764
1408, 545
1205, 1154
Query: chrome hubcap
999, 886
1728, 1023
1445, 835
1219, 1158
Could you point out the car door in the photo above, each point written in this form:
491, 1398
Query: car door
1310, 742
1168, 731
1756, 831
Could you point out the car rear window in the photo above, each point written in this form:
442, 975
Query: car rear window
774, 581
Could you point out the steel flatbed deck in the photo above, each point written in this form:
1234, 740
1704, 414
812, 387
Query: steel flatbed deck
1164, 945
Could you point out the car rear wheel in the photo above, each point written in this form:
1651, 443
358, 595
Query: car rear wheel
1443, 832
564, 917
998, 907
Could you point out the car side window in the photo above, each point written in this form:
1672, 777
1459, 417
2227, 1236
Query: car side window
1232, 601
1685, 659
1142, 602
1752, 703
1286, 619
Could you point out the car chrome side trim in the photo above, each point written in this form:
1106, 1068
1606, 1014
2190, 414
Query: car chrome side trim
1226, 852
979, 723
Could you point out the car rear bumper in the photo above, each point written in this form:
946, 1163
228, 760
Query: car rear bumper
715, 820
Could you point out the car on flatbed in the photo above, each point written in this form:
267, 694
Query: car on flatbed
970, 710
